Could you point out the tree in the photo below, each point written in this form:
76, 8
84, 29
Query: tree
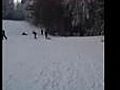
18, 12
88, 16
7, 9
66, 17
48, 13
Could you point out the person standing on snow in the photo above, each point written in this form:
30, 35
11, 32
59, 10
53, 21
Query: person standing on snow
35, 34
3, 35
46, 34
41, 31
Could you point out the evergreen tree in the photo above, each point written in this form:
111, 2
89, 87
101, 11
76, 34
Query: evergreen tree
66, 17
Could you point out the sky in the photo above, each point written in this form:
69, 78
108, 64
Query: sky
15, 1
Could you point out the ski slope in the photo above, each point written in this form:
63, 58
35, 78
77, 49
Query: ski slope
72, 63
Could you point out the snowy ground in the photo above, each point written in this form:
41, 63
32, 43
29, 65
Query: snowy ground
72, 63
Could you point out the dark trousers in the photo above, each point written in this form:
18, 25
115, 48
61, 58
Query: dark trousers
41, 32
46, 35
35, 36
4, 36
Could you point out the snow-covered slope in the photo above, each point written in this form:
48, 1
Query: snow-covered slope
72, 63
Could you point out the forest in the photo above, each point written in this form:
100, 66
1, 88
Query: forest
63, 17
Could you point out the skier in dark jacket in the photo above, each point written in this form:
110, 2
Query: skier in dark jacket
35, 34
46, 34
3, 35
41, 31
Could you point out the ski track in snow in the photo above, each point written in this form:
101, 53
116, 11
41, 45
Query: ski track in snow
72, 63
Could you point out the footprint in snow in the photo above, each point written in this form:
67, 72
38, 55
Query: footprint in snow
37, 77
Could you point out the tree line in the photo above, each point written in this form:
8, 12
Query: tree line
69, 17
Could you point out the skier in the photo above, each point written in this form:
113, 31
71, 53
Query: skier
41, 31
3, 35
35, 34
46, 34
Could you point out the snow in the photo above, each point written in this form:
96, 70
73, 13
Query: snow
72, 63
